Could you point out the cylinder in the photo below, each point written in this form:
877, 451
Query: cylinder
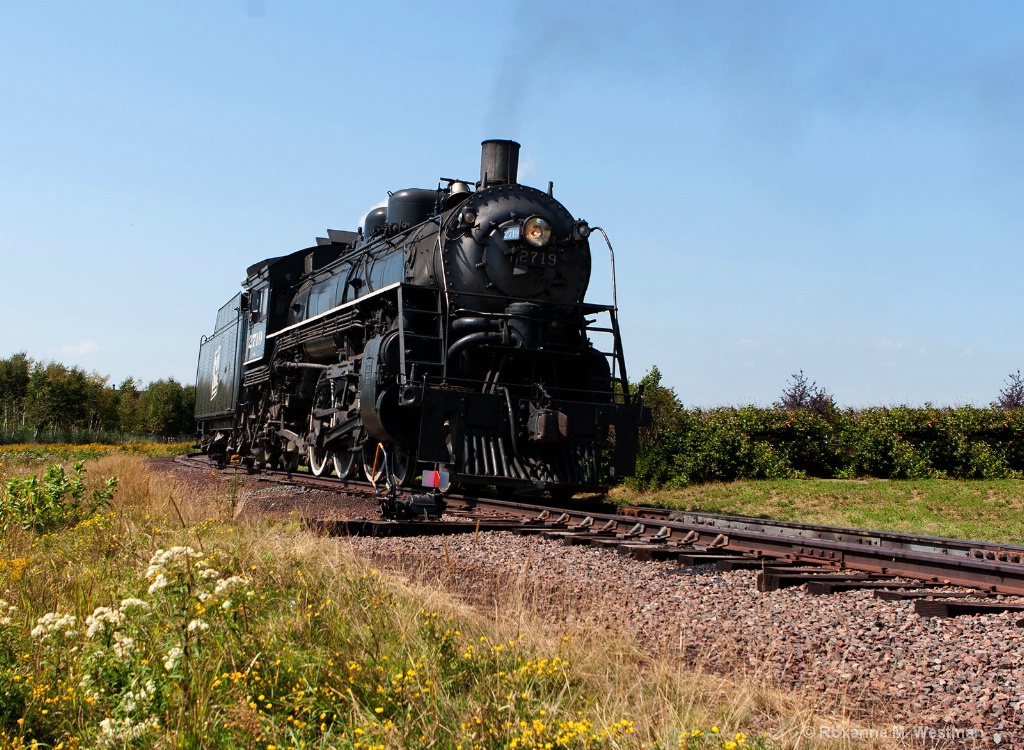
499, 162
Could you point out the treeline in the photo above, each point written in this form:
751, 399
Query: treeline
805, 435
50, 400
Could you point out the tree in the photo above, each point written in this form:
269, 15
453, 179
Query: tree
14, 379
1012, 396
57, 397
166, 408
101, 403
128, 406
799, 395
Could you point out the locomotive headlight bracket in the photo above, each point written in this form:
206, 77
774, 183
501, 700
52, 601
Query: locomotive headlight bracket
537, 231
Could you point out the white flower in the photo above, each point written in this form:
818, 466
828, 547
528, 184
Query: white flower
198, 625
123, 645
6, 610
120, 732
229, 584
55, 624
127, 605
130, 700
101, 617
226, 605
163, 561
159, 583
173, 659
209, 574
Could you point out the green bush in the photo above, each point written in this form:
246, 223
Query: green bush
685, 446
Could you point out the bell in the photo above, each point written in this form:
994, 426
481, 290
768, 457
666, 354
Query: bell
457, 192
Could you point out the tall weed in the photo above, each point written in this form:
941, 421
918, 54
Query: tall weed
56, 501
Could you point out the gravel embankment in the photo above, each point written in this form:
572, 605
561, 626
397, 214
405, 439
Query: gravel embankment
965, 672
960, 673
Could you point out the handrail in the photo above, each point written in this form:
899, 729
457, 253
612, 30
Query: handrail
611, 253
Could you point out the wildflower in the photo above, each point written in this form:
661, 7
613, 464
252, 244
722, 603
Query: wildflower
131, 699
123, 645
101, 617
227, 585
198, 625
173, 659
54, 624
120, 732
160, 582
175, 558
6, 610
127, 605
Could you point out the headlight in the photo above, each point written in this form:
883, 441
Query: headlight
537, 231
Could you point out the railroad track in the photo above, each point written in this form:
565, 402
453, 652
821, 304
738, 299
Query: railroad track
824, 559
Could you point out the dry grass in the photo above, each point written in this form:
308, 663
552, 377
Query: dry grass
664, 695
316, 611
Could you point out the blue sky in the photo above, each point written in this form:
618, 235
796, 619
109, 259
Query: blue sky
832, 187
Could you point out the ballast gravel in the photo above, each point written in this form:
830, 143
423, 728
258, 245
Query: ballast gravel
879, 658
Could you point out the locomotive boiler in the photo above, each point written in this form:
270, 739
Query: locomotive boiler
449, 334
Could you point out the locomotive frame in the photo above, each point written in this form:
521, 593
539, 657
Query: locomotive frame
451, 329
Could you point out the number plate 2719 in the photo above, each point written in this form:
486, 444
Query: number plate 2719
536, 258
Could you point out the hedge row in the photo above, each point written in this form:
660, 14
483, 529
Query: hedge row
688, 446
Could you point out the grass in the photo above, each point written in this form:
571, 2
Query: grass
157, 622
988, 510
20, 454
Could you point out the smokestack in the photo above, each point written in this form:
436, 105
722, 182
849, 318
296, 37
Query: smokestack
499, 162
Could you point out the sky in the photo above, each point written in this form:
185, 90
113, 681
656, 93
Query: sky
827, 187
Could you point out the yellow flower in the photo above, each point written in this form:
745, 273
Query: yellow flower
714, 730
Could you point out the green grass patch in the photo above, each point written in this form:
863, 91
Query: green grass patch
987, 510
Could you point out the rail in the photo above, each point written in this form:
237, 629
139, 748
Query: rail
654, 533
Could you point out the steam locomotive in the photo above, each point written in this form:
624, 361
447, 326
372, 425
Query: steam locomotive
447, 339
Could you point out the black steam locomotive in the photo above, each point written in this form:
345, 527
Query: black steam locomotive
449, 336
